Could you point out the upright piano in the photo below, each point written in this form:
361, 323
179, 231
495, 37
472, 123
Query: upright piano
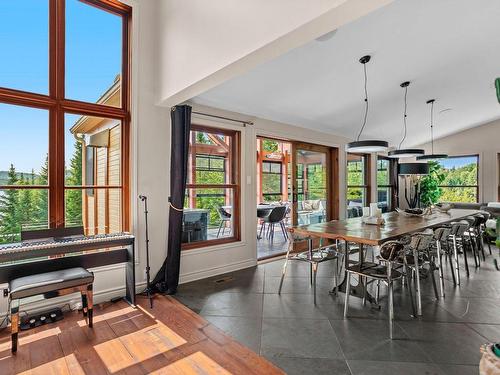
53, 249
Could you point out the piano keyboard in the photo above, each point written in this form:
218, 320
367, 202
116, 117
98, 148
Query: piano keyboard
55, 246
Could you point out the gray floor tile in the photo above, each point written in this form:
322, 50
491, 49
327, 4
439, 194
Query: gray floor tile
491, 332
359, 367
302, 338
311, 366
296, 306
459, 369
244, 330
233, 304
474, 310
365, 339
449, 343
293, 332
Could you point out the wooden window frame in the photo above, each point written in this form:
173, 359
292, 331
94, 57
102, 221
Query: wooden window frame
367, 174
392, 170
477, 175
58, 105
275, 174
234, 184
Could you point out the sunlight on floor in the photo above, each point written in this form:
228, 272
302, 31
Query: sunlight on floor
145, 343
197, 363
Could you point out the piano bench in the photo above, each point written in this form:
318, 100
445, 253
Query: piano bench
51, 284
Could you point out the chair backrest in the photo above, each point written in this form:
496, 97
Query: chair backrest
277, 214
458, 228
421, 241
223, 214
442, 233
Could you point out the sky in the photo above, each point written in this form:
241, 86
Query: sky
457, 162
93, 59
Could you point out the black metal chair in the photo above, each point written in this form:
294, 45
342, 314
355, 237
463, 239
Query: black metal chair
277, 216
225, 217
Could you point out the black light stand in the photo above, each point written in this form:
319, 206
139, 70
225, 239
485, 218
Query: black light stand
148, 291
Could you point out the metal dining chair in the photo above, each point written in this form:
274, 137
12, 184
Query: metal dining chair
313, 256
384, 272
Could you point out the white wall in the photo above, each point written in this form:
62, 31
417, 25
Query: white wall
201, 263
203, 43
482, 140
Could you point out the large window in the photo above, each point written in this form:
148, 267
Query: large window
211, 207
385, 183
358, 183
461, 179
64, 116
272, 181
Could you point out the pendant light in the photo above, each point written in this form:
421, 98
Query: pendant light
366, 146
405, 152
432, 155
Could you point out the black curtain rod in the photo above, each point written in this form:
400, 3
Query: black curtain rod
223, 118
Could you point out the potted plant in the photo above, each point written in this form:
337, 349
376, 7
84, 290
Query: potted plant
430, 192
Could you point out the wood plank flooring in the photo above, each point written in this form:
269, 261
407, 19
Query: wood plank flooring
169, 339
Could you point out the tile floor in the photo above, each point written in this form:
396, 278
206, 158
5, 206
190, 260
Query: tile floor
302, 338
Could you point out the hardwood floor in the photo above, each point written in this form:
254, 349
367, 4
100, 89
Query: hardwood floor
170, 339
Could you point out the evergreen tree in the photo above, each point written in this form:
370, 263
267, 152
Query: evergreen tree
9, 226
41, 198
74, 197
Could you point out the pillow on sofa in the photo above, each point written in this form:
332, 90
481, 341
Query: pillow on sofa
307, 205
316, 205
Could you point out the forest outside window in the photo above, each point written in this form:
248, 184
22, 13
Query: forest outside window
64, 120
460, 182
385, 183
212, 207
358, 192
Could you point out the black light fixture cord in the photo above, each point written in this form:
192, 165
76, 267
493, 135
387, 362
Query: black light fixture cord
404, 119
366, 102
432, 128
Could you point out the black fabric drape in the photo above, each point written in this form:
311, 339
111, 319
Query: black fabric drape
167, 278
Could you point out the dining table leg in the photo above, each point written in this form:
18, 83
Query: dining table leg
355, 290
310, 250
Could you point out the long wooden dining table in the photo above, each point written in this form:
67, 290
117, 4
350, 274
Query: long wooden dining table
355, 231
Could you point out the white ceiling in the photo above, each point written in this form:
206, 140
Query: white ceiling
448, 49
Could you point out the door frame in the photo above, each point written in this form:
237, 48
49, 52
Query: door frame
332, 178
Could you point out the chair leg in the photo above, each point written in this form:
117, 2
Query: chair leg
90, 303
440, 268
455, 255
451, 268
417, 283
347, 292
465, 258
261, 229
283, 229
433, 269
335, 275
377, 292
363, 280
408, 274
14, 328
283, 271
315, 271
220, 227
391, 300
487, 241
84, 302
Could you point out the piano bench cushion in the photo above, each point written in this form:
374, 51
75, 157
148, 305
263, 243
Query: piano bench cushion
41, 283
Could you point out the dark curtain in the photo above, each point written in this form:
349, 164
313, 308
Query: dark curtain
167, 278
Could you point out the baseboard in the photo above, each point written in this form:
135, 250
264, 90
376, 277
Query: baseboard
214, 271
